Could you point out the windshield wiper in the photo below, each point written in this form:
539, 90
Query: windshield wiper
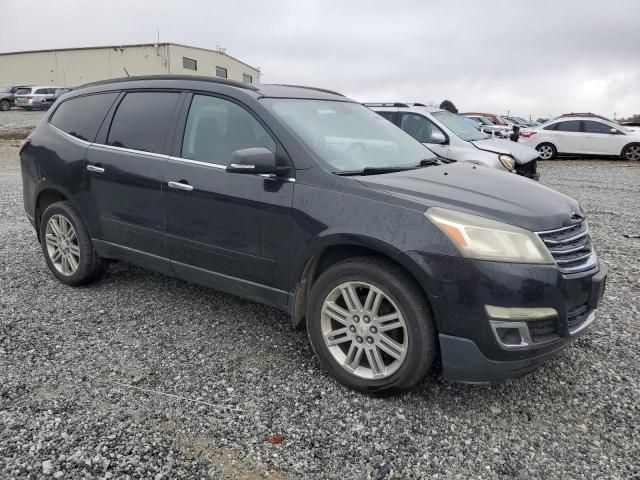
373, 170
426, 162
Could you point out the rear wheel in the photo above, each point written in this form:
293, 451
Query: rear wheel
547, 151
5, 105
631, 152
370, 326
67, 247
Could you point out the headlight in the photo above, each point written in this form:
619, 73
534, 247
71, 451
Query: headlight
507, 161
484, 239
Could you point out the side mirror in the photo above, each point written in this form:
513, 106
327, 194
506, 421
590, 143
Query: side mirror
437, 137
259, 160
613, 131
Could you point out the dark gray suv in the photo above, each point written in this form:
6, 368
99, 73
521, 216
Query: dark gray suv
303, 199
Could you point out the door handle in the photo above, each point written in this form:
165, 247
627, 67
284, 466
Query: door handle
180, 186
95, 169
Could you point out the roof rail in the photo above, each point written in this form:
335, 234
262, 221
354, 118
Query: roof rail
419, 104
196, 78
306, 88
390, 104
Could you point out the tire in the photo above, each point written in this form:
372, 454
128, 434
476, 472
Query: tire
64, 238
409, 332
631, 152
28, 109
547, 151
5, 105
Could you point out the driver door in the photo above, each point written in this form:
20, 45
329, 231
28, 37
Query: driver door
229, 231
426, 132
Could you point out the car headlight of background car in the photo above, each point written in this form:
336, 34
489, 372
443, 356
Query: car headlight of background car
485, 239
507, 162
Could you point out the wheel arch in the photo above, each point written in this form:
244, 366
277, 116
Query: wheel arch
628, 145
336, 251
44, 198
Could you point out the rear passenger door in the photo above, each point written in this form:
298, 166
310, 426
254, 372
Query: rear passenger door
125, 174
228, 231
567, 136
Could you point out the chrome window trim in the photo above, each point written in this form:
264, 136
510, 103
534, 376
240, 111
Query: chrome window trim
130, 150
79, 140
199, 162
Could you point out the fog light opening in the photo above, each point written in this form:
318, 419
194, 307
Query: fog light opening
509, 336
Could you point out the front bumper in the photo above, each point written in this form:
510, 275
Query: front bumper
459, 291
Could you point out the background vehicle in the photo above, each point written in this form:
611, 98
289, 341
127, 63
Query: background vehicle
33, 98
7, 96
583, 136
308, 201
520, 121
48, 101
450, 137
488, 126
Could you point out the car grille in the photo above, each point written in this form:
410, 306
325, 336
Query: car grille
570, 247
543, 330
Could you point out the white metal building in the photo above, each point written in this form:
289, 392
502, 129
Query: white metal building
70, 67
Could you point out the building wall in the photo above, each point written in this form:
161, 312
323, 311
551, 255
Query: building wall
207, 63
69, 68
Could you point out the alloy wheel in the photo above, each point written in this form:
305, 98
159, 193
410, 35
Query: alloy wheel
364, 330
633, 153
62, 245
546, 152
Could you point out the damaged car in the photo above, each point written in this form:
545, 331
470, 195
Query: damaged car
453, 139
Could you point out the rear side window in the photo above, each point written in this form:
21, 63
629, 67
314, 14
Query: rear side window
569, 126
141, 121
388, 115
596, 127
82, 116
216, 128
42, 91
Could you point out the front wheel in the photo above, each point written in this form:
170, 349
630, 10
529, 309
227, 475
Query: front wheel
5, 105
67, 247
370, 326
631, 153
547, 151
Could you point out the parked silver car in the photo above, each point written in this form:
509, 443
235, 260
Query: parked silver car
33, 98
8, 95
452, 138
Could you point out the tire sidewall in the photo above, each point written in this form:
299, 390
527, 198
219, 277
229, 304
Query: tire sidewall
84, 243
5, 105
626, 149
420, 344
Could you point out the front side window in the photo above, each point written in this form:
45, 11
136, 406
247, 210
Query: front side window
221, 72
348, 137
82, 116
421, 128
597, 127
142, 120
189, 63
42, 91
569, 126
459, 126
216, 128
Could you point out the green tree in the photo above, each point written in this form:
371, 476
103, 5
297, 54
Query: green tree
449, 106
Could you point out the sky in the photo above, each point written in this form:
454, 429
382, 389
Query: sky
537, 58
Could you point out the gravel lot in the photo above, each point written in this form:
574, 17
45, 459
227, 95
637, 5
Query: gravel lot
18, 123
145, 376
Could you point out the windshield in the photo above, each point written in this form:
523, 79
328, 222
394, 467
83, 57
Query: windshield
458, 126
347, 136
4, 89
23, 91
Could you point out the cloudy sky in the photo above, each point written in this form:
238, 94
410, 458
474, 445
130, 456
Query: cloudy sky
536, 58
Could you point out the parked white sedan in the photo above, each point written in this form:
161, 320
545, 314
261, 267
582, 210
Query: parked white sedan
582, 136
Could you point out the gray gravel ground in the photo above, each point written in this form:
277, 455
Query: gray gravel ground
144, 376
17, 123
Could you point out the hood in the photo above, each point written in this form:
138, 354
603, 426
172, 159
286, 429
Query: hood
483, 191
520, 152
